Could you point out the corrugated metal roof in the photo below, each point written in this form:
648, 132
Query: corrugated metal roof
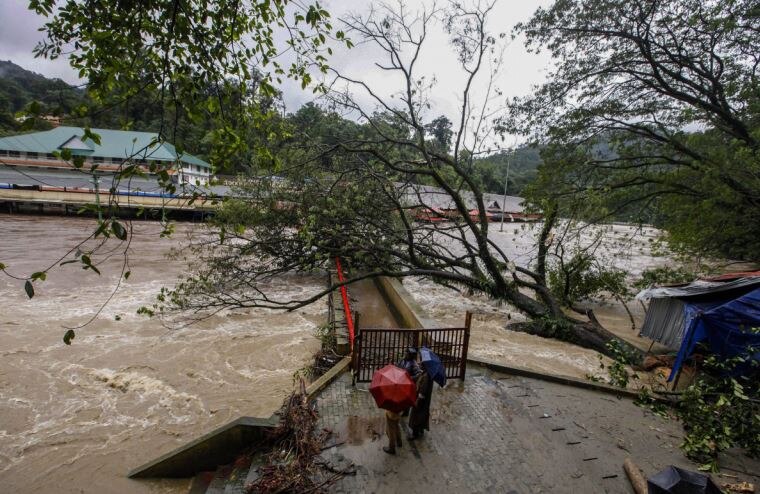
664, 322
113, 144
733, 276
697, 288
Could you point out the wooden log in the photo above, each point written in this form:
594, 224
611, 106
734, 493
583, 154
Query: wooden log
591, 335
638, 482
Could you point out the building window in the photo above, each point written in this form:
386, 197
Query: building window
97, 159
50, 156
117, 161
32, 155
3, 152
14, 154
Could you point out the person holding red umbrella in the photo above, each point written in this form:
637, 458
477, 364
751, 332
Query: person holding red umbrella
393, 431
394, 391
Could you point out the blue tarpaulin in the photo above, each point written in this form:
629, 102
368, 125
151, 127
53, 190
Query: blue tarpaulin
724, 326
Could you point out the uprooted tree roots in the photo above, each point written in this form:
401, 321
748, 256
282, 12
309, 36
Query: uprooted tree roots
293, 465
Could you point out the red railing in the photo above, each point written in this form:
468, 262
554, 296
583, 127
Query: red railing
346, 306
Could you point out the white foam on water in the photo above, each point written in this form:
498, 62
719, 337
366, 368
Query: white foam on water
129, 390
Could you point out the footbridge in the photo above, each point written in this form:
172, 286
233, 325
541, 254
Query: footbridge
40, 190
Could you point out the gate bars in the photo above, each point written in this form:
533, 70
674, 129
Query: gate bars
376, 347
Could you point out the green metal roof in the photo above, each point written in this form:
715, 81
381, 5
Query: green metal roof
113, 144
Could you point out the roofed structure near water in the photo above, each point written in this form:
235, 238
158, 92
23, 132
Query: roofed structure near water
436, 198
115, 147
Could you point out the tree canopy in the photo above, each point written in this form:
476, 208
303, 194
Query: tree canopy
651, 113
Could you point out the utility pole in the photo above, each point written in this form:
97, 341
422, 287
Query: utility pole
96, 182
504, 201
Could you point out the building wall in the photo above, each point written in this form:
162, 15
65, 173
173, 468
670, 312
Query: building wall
191, 174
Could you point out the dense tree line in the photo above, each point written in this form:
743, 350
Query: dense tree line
651, 113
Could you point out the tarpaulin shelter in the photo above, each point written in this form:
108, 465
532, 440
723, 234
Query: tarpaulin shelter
719, 314
725, 326
664, 320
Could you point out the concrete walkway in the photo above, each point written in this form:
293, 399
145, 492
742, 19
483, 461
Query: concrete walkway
500, 433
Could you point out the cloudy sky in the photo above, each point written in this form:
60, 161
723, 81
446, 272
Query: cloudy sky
519, 72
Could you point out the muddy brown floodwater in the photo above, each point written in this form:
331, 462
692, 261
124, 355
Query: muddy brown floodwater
625, 247
77, 418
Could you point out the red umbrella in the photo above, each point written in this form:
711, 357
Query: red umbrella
393, 389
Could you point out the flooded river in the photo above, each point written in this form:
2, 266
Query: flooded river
77, 418
625, 247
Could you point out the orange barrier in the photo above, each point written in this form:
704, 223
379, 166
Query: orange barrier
346, 306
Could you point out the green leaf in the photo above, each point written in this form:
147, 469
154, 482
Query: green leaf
88, 263
119, 230
29, 289
39, 275
126, 275
68, 336
2, 266
89, 134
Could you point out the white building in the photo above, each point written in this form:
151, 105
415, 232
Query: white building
116, 148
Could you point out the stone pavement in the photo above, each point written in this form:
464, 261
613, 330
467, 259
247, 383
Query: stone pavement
500, 433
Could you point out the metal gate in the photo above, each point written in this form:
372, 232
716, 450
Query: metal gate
377, 347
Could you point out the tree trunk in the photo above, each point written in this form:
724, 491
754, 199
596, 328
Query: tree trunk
589, 335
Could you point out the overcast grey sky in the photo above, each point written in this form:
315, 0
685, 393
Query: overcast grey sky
18, 37
520, 71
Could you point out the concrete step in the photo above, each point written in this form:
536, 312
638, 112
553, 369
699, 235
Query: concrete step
236, 480
200, 483
219, 447
219, 482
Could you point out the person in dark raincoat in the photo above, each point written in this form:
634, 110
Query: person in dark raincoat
409, 363
419, 417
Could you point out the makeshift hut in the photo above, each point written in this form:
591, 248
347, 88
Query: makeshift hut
720, 314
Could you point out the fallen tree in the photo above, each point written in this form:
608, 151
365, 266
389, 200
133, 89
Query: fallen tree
357, 197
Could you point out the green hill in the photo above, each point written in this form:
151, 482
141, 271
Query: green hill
492, 170
20, 87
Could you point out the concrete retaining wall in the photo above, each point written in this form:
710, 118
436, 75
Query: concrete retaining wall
79, 198
408, 312
206, 453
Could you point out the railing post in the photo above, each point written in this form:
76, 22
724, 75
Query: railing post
466, 343
356, 328
356, 349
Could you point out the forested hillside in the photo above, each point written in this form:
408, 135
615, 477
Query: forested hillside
523, 166
20, 87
